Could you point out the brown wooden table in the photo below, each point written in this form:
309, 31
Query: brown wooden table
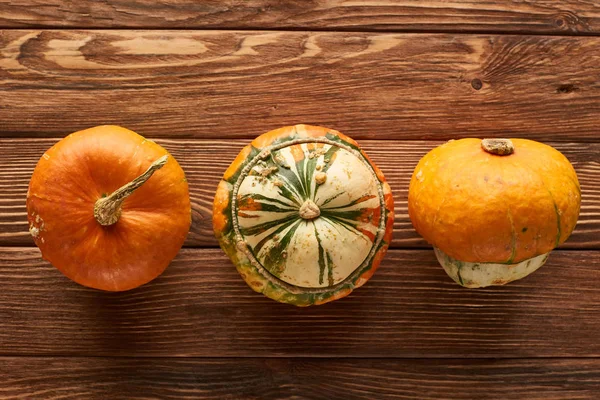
204, 77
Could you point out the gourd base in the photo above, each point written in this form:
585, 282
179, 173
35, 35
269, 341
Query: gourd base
477, 275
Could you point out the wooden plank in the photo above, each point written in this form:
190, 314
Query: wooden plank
224, 84
201, 307
265, 379
206, 160
538, 16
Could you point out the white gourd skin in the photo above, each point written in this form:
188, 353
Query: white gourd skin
478, 275
347, 180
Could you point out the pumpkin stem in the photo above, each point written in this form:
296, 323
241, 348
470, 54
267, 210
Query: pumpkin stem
500, 147
309, 210
107, 210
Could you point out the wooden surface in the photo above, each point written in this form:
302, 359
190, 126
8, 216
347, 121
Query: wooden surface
534, 16
225, 84
200, 307
291, 379
203, 78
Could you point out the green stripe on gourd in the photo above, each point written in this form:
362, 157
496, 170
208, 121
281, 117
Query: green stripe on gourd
309, 214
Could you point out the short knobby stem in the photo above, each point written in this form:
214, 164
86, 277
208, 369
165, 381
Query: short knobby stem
107, 210
309, 210
500, 147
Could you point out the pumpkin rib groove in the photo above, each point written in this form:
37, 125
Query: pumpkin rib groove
437, 213
343, 223
329, 200
257, 229
292, 180
559, 233
558, 229
513, 236
288, 228
266, 201
300, 176
351, 204
460, 279
321, 261
287, 192
325, 219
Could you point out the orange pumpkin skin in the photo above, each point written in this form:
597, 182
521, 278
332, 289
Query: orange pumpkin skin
85, 166
487, 208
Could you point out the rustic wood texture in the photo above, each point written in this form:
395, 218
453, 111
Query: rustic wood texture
224, 84
201, 307
287, 379
400, 76
205, 161
538, 16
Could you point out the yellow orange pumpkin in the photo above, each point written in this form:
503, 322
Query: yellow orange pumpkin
304, 215
493, 209
108, 208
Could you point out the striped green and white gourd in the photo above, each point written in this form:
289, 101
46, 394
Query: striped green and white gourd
304, 215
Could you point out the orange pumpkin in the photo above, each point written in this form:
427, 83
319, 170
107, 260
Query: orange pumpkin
493, 209
108, 208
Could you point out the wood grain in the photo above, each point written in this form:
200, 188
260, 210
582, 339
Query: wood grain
201, 307
205, 161
224, 84
287, 379
538, 16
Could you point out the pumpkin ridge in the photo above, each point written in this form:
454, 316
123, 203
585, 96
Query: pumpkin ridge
298, 169
287, 192
321, 261
460, 279
275, 252
437, 213
513, 239
264, 199
329, 269
330, 223
264, 206
558, 234
285, 227
349, 225
329, 200
260, 228
84, 192
328, 160
294, 182
307, 175
310, 173
534, 173
329, 157
361, 199
302, 168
